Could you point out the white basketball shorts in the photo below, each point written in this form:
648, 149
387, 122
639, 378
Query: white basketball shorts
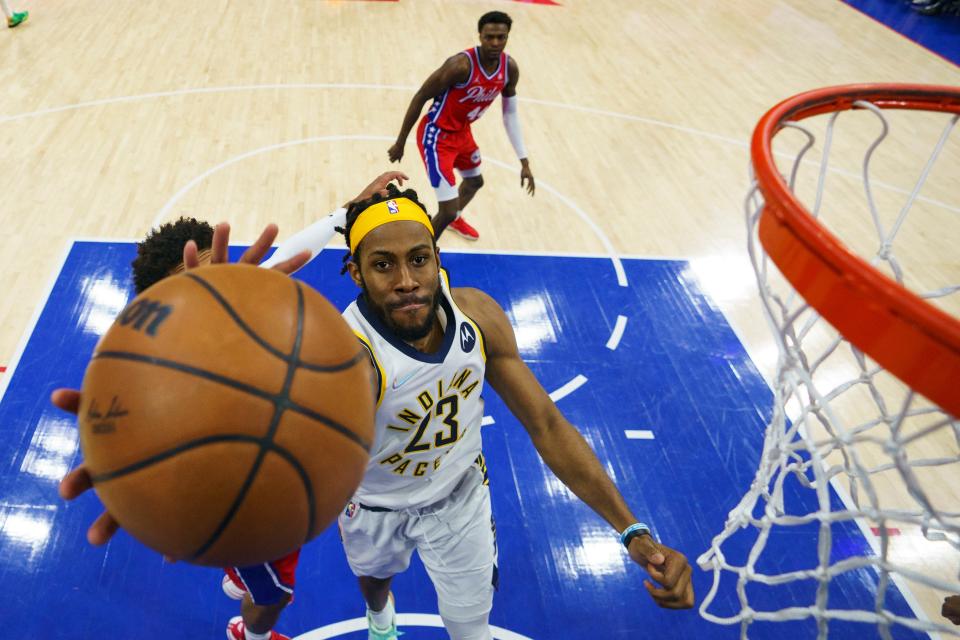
455, 537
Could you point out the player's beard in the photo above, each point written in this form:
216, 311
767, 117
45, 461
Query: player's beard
405, 332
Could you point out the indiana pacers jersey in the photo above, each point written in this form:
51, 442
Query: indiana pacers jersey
429, 407
461, 104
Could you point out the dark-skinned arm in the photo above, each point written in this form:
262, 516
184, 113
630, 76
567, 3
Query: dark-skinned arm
510, 92
456, 70
566, 452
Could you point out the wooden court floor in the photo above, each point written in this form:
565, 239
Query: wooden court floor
116, 115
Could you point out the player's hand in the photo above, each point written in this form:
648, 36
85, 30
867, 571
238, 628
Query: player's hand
951, 609
667, 567
395, 153
77, 482
527, 176
379, 185
253, 255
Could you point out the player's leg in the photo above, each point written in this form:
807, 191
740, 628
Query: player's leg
457, 543
381, 611
469, 186
376, 550
439, 149
467, 164
266, 590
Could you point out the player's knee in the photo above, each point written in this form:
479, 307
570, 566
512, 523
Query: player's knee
474, 183
476, 629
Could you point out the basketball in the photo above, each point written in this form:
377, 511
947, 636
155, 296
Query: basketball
226, 415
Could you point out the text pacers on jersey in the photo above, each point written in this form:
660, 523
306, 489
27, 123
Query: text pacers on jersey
444, 408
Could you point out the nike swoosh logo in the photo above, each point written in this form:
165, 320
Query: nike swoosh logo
400, 381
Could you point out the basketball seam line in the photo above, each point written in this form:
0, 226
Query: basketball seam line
235, 384
280, 406
259, 340
177, 450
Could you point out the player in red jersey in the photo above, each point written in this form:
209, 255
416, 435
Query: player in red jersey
462, 89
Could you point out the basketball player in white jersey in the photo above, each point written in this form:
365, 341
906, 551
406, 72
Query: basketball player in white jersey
425, 489
433, 348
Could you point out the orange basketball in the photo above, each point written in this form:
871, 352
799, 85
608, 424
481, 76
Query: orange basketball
226, 415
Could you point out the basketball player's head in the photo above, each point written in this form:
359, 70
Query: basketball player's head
395, 262
161, 252
494, 28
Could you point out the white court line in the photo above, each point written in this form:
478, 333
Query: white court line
394, 87
32, 324
617, 334
583, 215
568, 388
164, 210
404, 620
638, 434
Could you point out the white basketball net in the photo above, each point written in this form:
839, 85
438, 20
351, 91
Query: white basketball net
841, 421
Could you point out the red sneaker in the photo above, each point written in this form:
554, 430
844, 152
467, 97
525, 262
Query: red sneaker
235, 631
461, 227
231, 589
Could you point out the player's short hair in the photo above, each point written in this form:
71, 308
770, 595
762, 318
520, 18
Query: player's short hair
494, 17
162, 250
356, 208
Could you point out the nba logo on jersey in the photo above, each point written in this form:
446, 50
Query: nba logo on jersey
468, 337
351, 509
392, 207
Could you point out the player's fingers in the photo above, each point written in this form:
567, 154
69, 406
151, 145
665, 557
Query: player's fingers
221, 241
254, 254
102, 529
75, 483
191, 259
66, 399
675, 566
649, 550
678, 597
293, 264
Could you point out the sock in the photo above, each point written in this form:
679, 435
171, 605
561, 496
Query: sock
250, 635
383, 619
6, 9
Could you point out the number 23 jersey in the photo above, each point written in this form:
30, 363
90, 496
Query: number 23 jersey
429, 407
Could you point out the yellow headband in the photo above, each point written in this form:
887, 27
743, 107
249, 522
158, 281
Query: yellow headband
384, 212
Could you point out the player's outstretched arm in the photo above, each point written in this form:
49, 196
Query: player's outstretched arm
456, 70
318, 235
566, 452
511, 122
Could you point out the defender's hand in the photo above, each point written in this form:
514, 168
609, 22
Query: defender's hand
253, 255
395, 153
669, 568
379, 185
77, 482
527, 175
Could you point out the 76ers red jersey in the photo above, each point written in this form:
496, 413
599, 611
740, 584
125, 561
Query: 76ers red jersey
461, 104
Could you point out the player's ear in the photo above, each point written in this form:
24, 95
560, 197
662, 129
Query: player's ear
354, 272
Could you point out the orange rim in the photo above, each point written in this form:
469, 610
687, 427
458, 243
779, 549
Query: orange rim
909, 337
